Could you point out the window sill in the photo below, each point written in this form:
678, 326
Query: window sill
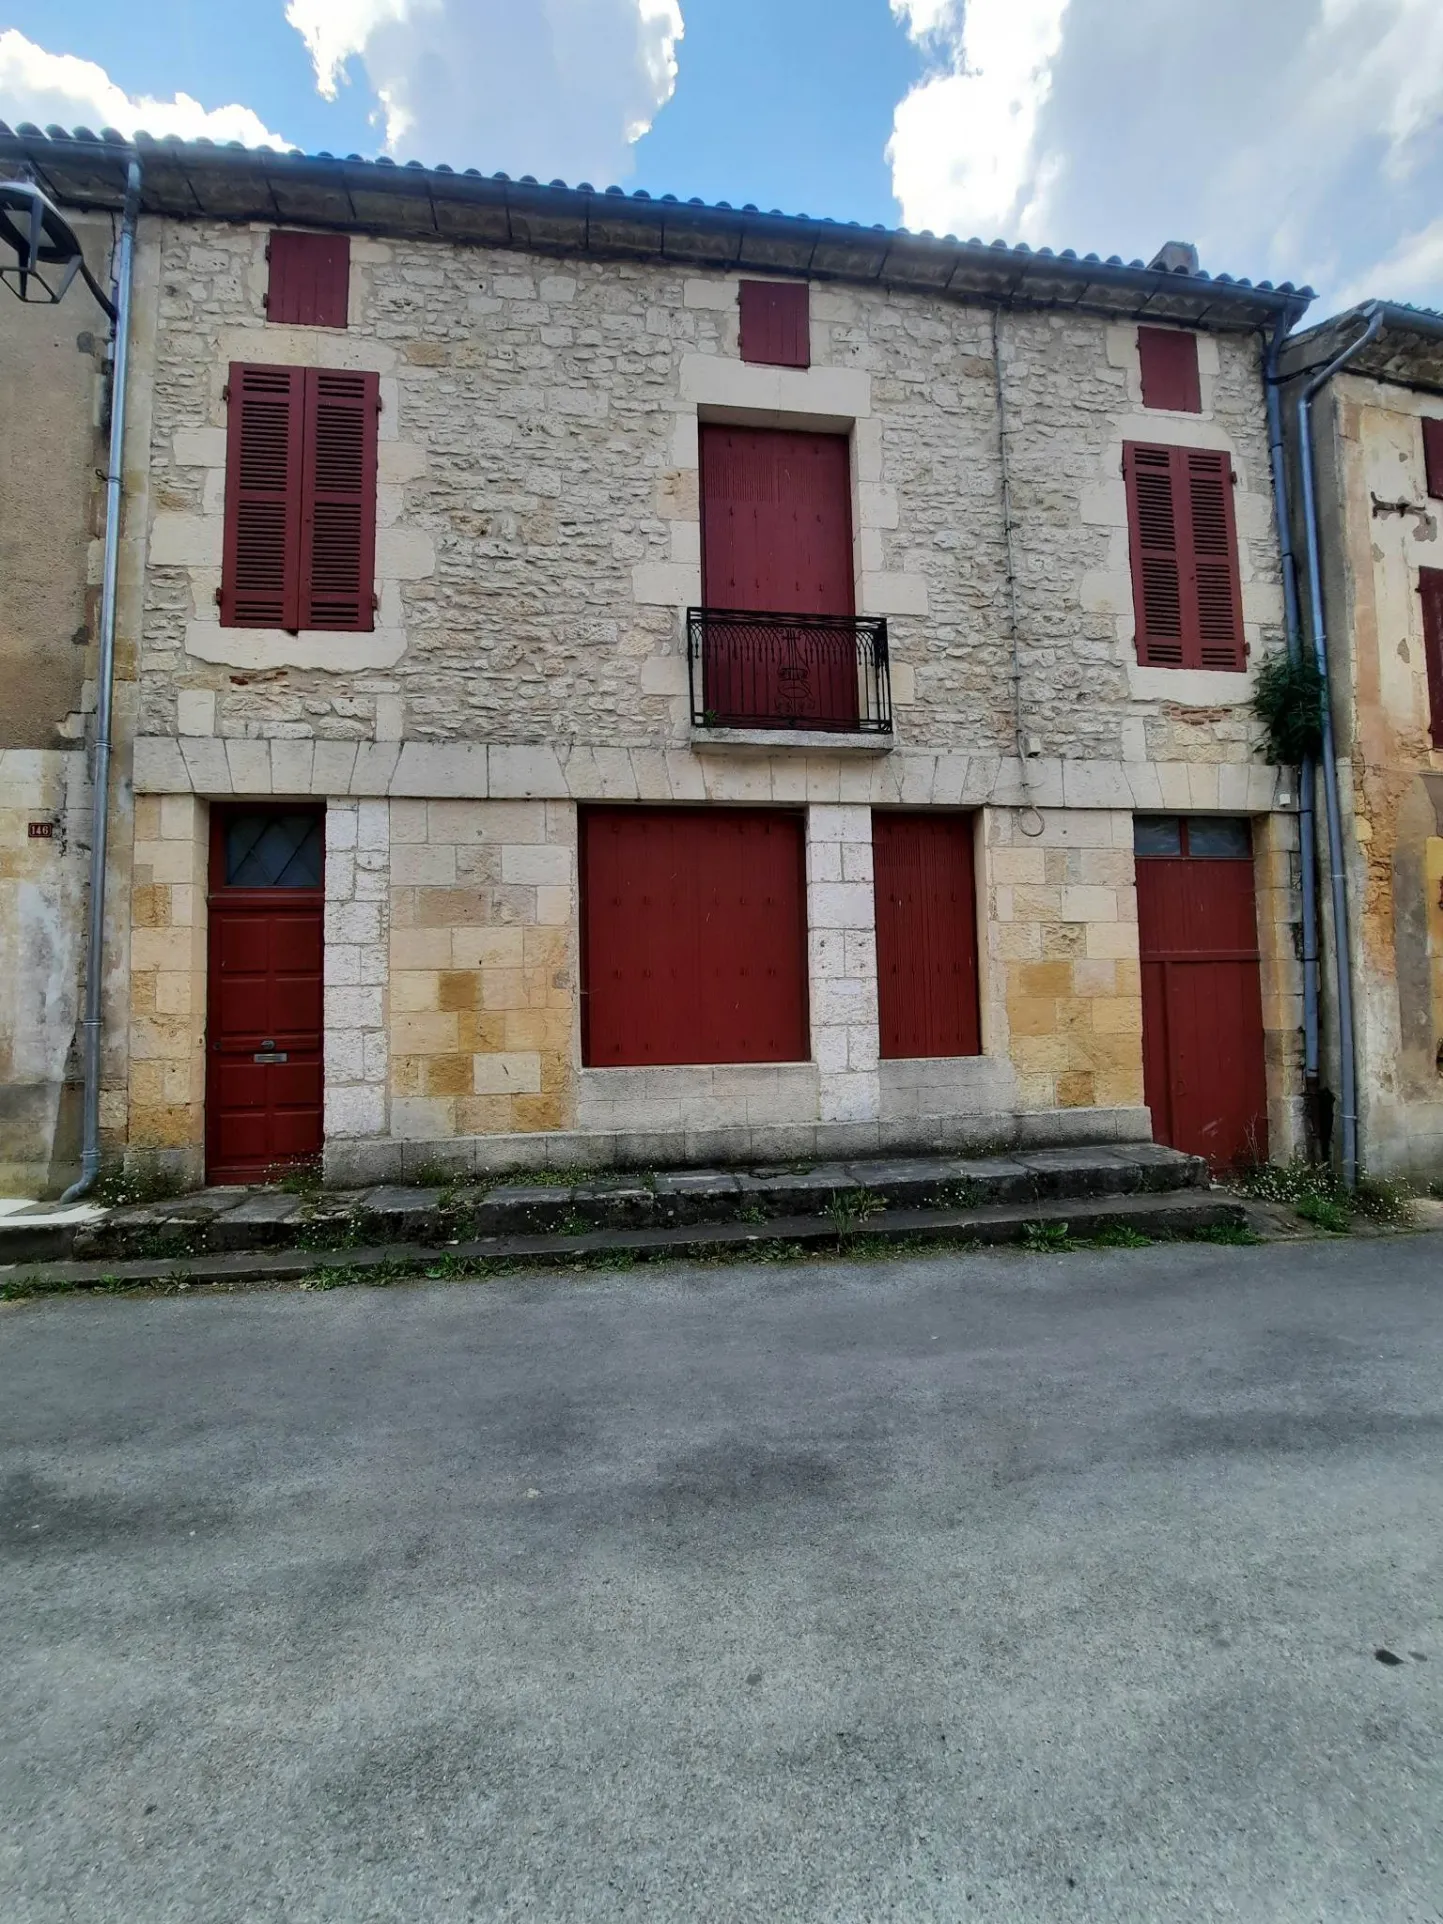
1190, 687
813, 741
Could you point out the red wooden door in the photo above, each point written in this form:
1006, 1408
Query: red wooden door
694, 936
777, 539
926, 934
1202, 1012
264, 1023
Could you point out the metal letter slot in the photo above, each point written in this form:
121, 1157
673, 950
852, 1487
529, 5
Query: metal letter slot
270, 1055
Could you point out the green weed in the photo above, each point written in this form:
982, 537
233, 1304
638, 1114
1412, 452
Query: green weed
1324, 1213
1231, 1235
1047, 1239
1119, 1236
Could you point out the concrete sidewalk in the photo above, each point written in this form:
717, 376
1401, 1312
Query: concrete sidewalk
1002, 1587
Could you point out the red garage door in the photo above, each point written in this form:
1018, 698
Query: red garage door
263, 1026
694, 936
1202, 1009
926, 934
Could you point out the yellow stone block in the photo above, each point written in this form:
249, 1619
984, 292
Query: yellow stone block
1075, 1090
485, 948
1042, 979
1117, 1015
484, 1115
447, 1075
173, 1126
420, 949
424, 1034
538, 1112
1111, 940
1118, 1088
408, 1074
413, 990
150, 907
481, 1034
1094, 978
537, 1028
459, 989
1031, 1016
504, 989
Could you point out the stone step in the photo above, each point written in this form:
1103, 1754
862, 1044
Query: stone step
215, 1221
1183, 1212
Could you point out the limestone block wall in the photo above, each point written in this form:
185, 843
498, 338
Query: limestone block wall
356, 927
842, 962
483, 968
1063, 990
538, 511
165, 1119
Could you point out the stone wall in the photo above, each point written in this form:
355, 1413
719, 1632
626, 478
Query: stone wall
538, 508
165, 1107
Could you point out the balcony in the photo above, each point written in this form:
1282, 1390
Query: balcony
808, 674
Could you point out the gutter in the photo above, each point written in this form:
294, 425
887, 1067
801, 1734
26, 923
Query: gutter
1374, 314
1307, 774
104, 700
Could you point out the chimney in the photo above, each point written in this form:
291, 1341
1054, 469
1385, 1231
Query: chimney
1175, 257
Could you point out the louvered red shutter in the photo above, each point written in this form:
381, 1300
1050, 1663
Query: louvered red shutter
1217, 591
1186, 591
1157, 585
776, 323
1430, 589
1433, 457
261, 556
338, 522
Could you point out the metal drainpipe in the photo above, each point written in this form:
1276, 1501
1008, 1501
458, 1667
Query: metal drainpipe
100, 778
1347, 1043
1307, 774
1030, 820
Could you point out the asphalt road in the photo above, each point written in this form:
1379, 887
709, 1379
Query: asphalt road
1040, 1588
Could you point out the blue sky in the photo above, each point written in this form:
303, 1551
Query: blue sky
1292, 139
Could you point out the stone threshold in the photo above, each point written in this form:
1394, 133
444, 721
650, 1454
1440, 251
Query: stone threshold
813, 741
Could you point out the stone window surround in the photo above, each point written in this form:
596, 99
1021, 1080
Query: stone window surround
194, 541
817, 399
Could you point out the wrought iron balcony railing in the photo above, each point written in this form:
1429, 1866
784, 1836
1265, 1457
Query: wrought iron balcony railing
813, 672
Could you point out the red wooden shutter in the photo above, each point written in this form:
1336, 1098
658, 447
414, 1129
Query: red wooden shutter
1433, 456
776, 323
1217, 587
261, 557
309, 279
1169, 369
693, 936
776, 521
926, 934
1157, 588
338, 522
1430, 589
1187, 594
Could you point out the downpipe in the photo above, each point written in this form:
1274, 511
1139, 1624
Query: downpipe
104, 697
1343, 956
1307, 774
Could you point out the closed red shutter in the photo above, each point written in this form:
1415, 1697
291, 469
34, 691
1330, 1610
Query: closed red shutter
260, 567
776, 323
310, 278
926, 934
694, 936
1187, 595
1169, 369
338, 525
1433, 457
1430, 589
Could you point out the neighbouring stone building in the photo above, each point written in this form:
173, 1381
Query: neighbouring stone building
1378, 433
426, 771
52, 449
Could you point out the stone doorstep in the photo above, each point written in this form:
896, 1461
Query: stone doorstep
1183, 1213
218, 1220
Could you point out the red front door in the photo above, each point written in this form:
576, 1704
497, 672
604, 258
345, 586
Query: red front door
263, 1042
1202, 1012
777, 540
926, 934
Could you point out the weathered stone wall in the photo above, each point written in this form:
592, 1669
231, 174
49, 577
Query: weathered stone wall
165, 1125
538, 512
1386, 528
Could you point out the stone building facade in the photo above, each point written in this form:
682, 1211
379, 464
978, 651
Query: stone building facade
1380, 504
546, 361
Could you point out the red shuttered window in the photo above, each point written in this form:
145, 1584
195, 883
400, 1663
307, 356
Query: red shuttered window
310, 278
1430, 590
1169, 370
693, 936
1433, 457
1187, 596
300, 499
776, 324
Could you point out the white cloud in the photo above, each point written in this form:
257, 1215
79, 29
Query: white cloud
62, 89
551, 87
1298, 140
963, 141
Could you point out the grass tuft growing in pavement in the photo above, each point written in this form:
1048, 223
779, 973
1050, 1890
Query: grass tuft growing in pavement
1321, 1197
1047, 1239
